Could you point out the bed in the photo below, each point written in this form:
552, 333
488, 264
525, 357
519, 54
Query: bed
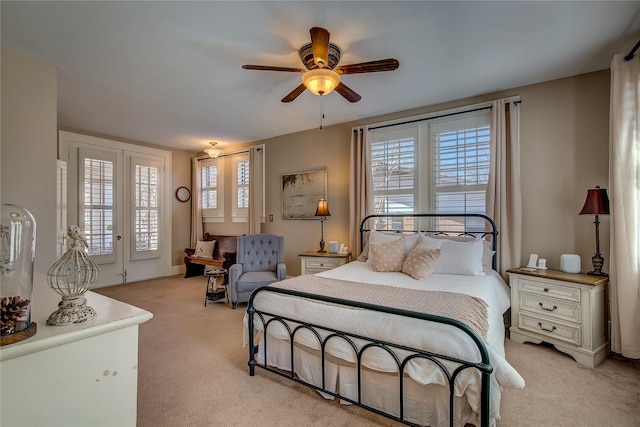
423, 348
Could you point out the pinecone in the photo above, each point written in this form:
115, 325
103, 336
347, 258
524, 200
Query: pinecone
13, 309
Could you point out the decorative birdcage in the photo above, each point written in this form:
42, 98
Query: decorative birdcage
71, 277
17, 252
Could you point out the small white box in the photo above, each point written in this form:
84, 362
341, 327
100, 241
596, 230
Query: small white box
570, 263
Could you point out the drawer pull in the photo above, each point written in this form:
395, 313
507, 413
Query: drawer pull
555, 307
545, 329
546, 289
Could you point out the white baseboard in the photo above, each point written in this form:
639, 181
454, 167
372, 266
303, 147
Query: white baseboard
178, 269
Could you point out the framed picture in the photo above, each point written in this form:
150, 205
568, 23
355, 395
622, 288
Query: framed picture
301, 192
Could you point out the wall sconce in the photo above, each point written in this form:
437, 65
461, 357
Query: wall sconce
213, 152
597, 203
323, 212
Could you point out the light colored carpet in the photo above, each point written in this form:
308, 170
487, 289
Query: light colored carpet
193, 372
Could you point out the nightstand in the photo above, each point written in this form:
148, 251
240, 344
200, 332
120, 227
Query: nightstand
313, 262
566, 310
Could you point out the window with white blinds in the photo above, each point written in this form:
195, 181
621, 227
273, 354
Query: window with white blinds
146, 206
209, 187
240, 207
212, 189
438, 165
98, 205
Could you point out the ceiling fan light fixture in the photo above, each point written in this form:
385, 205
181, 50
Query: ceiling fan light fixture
213, 152
321, 81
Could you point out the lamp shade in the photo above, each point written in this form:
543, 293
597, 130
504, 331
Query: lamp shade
321, 81
597, 202
323, 208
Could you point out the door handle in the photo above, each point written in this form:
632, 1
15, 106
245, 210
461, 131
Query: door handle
118, 237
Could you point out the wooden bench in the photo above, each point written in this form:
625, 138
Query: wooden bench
224, 256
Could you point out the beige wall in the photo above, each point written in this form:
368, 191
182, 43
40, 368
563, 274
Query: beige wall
564, 151
29, 148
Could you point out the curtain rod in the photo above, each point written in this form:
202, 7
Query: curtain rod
631, 54
227, 155
436, 117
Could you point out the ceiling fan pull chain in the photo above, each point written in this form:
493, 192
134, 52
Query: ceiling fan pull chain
321, 111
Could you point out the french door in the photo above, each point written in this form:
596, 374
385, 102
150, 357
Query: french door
118, 194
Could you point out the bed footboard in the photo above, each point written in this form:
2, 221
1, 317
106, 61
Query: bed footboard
293, 326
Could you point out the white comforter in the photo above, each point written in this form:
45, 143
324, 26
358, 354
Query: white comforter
414, 333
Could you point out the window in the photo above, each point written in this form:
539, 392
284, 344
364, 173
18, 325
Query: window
393, 169
434, 165
98, 207
212, 190
240, 207
146, 206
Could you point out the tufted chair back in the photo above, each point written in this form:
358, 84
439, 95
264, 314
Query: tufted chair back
260, 252
259, 262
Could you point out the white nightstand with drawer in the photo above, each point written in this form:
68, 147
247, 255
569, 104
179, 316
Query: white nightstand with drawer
312, 262
566, 310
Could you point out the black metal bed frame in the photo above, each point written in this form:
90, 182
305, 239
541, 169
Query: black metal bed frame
266, 318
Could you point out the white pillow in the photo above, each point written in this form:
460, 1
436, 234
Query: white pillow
463, 258
410, 241
487, 251
204, 249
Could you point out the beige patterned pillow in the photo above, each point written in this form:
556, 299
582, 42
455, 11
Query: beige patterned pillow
387, 256
420, 262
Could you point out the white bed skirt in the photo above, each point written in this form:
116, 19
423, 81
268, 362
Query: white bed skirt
423, 404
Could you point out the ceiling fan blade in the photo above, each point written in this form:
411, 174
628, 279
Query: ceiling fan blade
270, 68
369, 67
320, 46
294, 93
348, 93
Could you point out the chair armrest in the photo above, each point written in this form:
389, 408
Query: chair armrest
234, 273
281, 271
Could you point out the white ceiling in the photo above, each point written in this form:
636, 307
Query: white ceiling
169, 73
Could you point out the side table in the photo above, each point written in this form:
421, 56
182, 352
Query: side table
212, 293
566, 310
312, 262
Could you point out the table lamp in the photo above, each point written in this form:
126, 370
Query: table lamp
597, 203
323, 212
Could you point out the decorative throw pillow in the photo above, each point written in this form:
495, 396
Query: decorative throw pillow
420, 262
204, 249
410, 241
387, 256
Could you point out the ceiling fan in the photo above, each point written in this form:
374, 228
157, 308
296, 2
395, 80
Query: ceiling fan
322, 73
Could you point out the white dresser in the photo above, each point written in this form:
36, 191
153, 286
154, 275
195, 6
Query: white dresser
566, 310
312, 262
80, 375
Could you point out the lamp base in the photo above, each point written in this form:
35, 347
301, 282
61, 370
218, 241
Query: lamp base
71, 311
597, 261
597, 273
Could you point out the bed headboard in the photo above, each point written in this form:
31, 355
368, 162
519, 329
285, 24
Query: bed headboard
472, 225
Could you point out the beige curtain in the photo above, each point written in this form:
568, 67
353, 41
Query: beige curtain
360, 186
624, 194
256, 186
504, 198
197, 229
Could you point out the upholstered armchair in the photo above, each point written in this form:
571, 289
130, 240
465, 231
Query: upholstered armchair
259, 262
